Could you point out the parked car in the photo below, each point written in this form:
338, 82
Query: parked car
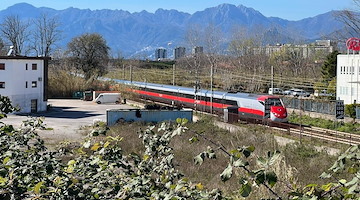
275, 91
323, 93
288, 92
108, 98
300, 93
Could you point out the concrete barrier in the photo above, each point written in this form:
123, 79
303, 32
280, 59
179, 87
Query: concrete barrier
115, 115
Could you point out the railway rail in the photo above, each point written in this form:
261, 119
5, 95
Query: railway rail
302, 130
320, 133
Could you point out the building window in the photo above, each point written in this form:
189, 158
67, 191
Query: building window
26, 84
34, 84
2, 66
2, 84
34, 66
26, 66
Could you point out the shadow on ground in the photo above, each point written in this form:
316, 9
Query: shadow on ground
61, 112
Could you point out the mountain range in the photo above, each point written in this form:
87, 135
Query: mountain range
140, 33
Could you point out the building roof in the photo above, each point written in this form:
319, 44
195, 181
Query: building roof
24, 58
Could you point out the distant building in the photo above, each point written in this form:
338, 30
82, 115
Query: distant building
198, 50
305, 50
24, 80
348, 78
160, 54
179, 52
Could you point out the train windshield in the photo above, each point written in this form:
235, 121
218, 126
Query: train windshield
273, 102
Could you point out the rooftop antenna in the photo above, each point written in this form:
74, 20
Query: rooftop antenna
11, 51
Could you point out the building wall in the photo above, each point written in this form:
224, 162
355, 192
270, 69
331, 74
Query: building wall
179, 52
160, 54
23, 84
348, 78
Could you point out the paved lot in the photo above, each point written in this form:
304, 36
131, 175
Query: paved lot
67, 118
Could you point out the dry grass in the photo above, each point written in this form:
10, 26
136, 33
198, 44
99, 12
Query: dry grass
301, 164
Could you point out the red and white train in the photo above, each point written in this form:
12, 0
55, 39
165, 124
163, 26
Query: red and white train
248, 105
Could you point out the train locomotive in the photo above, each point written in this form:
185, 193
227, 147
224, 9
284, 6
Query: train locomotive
251, 106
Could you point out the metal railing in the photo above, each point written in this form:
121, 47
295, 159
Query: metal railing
310, 105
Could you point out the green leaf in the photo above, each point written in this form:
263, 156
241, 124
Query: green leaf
87, 144
352, 170
245, 190
227, 173
250, 148
325, 175
3, 181
6, 160
327, 187
182, 121
193, 139
271, 178
37, 187
71, 162
260, 177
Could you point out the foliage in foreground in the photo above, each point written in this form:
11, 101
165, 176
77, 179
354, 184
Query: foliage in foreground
95, 170
98, 169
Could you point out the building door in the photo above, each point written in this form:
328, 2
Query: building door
33, 105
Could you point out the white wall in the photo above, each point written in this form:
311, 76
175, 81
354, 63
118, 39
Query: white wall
15, 77
348, 78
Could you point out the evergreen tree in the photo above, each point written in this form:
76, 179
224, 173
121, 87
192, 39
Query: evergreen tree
328, 69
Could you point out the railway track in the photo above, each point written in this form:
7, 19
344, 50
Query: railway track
320, 133
307, 131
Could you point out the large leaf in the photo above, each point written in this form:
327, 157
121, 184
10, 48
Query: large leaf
245, 190
271, 178
199, 159
227, 173
240, 163
38, 187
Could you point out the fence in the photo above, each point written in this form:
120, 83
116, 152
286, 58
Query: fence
310, 105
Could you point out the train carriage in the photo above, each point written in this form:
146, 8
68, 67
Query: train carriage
248, 105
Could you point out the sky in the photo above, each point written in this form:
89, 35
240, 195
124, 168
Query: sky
286, 9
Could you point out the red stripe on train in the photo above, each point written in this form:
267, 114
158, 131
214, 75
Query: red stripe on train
199, 102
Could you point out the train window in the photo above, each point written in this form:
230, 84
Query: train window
274, 102
229, 102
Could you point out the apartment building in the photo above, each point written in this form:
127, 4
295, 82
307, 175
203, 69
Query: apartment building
348, 78
24, 80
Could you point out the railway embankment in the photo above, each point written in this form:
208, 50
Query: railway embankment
319, 115
282, 141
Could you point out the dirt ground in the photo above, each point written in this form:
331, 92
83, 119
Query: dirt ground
67, 119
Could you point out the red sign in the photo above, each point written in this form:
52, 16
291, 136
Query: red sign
353, 44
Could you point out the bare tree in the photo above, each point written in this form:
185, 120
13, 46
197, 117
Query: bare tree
90, 54
15, 31
45, 35
351, 18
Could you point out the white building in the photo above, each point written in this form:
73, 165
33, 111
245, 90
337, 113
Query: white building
24, 80
348, 78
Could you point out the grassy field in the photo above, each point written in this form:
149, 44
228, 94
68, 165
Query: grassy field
301, 164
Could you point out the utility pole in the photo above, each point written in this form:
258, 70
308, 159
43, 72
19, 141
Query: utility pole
123, 71
211, 87
131, 74
173, 82
272, 79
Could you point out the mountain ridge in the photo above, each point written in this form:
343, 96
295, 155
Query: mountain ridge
130, 33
